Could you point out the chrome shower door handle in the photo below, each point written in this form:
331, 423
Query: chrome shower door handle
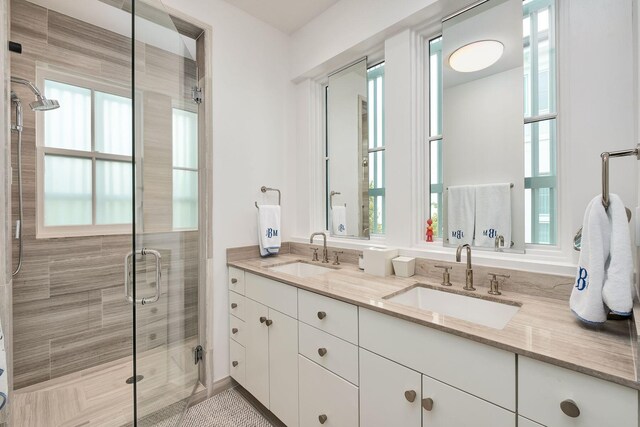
127, 278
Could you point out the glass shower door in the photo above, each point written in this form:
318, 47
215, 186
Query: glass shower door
165, 258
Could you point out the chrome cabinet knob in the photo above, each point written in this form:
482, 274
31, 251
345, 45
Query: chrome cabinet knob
269, 322
427, 404
234, 305
322, 351
410, 395
570, 408
234, 363
322, 418
263, 319
234, 331
234, 281
322, 315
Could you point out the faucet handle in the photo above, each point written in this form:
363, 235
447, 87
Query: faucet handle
315, 254
494, 285
446, 277
336, 261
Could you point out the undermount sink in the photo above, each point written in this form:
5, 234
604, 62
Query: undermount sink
484, 312
301, 269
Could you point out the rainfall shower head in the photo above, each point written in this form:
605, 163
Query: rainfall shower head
41, 103
44, 104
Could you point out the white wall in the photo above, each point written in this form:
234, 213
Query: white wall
596, 113
253, 127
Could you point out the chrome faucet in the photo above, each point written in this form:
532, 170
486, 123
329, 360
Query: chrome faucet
469, 282
325, 253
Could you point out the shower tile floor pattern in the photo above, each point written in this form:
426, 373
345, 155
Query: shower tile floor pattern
99, 396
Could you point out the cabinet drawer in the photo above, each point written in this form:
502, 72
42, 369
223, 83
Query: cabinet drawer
237, 362
453, 407
481, 370
335, 317
543, 387
276, 295
236, 330
324, 393
332, 353
236, 280
237, 305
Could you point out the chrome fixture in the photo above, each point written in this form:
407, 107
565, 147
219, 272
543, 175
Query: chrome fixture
336, 261
469, 281
40, 104
446, 277
325, 254
314, 257
265, 189
158, 262
499, 242
494, 285
577, 239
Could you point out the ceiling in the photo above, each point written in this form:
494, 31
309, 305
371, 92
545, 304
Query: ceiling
285, 15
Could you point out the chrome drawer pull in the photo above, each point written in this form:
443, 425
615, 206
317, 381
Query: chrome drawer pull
427, 404
570, 408
410, 395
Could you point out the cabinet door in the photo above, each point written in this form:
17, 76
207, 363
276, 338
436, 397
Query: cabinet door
283, 367
390, 394
325, 398
445, 406
257, 351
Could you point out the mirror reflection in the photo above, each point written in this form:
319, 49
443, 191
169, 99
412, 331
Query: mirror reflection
481, 149
347, 152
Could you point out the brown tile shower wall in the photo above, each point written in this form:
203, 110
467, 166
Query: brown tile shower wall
68, 301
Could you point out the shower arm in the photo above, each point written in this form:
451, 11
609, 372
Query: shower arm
28, 84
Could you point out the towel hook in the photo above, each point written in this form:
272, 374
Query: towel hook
265, 189
605, 169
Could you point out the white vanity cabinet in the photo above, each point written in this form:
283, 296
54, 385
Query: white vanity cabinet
317, 361
555, 396
271, 346
390, 394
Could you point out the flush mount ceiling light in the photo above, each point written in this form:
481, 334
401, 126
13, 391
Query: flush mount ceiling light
476, 56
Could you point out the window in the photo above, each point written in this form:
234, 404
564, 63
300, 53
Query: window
434, 150
375, 82
185, 169
85, 153
540, 134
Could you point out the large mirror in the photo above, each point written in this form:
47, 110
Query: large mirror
482, 127
347, 152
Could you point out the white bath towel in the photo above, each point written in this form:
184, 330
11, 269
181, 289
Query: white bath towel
269, 233
493, 214
617, 292
339, 220
586, 296
461, 207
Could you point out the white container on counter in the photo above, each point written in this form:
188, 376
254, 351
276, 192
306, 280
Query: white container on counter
377, 261
404, 266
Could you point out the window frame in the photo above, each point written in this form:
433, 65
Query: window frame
378, 148
43, 231
551, 181
186, 107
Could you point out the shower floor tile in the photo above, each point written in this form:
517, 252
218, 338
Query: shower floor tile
99, 396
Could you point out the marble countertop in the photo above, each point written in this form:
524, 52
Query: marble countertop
543, 329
